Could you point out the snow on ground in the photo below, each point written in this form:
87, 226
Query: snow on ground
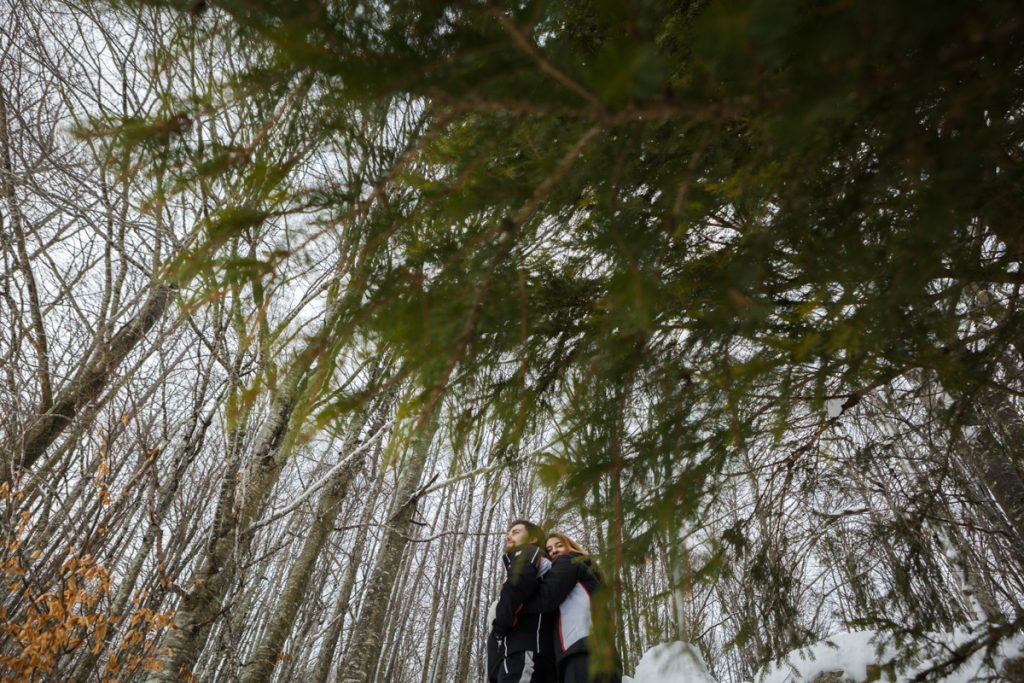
852, 653
675, 662
855, 655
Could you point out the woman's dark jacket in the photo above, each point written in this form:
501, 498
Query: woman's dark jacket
567, 588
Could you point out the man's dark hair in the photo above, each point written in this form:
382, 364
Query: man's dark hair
534, 533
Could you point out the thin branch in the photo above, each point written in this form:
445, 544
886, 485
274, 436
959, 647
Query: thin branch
304, 496
547, 67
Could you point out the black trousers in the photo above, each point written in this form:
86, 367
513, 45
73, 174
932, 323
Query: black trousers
576, 669
527, 667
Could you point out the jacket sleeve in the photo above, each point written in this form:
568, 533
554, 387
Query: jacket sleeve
556, 586
519, 586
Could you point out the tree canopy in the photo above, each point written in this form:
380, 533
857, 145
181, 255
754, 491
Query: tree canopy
670, 227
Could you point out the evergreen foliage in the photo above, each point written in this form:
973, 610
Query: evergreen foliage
685, 220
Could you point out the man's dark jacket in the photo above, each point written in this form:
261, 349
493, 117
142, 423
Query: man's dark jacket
515, 630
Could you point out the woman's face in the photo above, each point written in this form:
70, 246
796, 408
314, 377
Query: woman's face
555, 547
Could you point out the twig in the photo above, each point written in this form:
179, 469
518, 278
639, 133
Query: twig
344, 462
547, 67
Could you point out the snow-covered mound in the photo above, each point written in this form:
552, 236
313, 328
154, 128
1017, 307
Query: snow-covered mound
850, 657
849, 654
861, 656
675, 662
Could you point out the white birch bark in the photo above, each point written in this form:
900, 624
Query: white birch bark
261, 664
202, 604
333, 632
364, 652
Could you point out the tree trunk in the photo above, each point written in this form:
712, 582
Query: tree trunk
91, 381
85, 667
991, 460
468, 640
326, 655
39, 337
366, 637
261, 664
201, 605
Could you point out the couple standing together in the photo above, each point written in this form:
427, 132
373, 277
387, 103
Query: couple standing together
541, 621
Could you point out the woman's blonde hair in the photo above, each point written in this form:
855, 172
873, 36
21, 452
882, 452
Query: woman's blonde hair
569, 543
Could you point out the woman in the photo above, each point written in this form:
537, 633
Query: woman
567, 588
560, 544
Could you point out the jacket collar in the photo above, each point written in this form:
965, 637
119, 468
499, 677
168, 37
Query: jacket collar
510, 555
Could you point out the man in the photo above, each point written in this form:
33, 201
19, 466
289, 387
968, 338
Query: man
519, 648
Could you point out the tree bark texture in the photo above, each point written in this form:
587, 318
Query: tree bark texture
260, 666
333, 633
202, 604
93, 378
992, 461
364, 652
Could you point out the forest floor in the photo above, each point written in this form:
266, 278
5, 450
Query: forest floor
854, 657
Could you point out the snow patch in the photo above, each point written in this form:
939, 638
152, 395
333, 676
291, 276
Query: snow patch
675, 662
834, 406
851, 654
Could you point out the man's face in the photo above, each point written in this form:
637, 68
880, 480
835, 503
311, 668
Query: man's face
515, 536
